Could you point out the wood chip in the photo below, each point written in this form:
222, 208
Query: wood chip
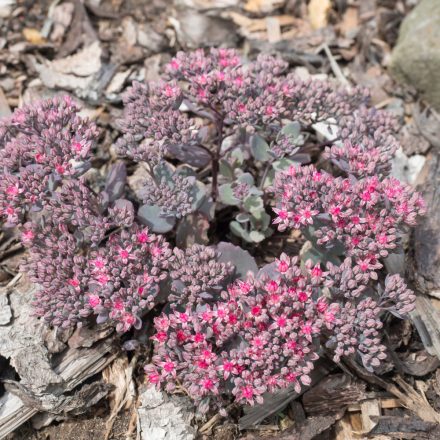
5, 110
332, 394
369, 408
273, 29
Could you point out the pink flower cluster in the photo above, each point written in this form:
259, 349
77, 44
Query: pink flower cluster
365, 216
368, 143
357, 331
117, 281
259, 93
152, 122
39, 146
260, 336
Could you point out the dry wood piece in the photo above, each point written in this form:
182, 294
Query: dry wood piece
426, 258
410, 398
318, 13
4, 106
385, 403
332, 394
426, 319
369, 409
273, 28
275, 402
46, 381
310, 428
401, 425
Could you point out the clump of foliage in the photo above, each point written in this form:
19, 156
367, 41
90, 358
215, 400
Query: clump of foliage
85, 250
220, 139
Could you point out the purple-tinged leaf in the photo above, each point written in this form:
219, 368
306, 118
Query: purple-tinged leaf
242, 260
116, 179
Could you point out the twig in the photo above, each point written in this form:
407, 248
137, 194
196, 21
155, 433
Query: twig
207, 427
335, 67
216, 157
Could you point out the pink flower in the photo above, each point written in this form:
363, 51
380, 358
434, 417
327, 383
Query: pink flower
128, 319
302, 296
208, 384
321, 305
283, 266
125, 254
13, 190
256, 310
27, 236
118, 304
142, 237
102, 278
73, 282
94, 300
76, 146
153, 378
175, 64
169, 367
98, 263
60, 169
40, 158
160, 337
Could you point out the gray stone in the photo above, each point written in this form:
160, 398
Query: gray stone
416, 57
163, 417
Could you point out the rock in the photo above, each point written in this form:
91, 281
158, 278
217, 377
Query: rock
416, 57
405, 168
147, 37
163, 417
426, 236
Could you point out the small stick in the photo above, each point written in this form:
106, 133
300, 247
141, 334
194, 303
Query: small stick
335, 67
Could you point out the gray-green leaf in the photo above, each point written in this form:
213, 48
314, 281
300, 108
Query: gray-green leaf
292, 129
151, 216
226, 195
259, 148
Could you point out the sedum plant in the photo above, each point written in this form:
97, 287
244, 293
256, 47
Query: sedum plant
239, 123
229, 142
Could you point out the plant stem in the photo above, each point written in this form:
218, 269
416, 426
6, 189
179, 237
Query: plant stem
216, 158
266, 171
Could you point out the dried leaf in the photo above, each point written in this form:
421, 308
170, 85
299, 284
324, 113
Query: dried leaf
119, 374
76, 72
207, 4
263, 6
33, 36
84, 63
318, 13
350, 22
